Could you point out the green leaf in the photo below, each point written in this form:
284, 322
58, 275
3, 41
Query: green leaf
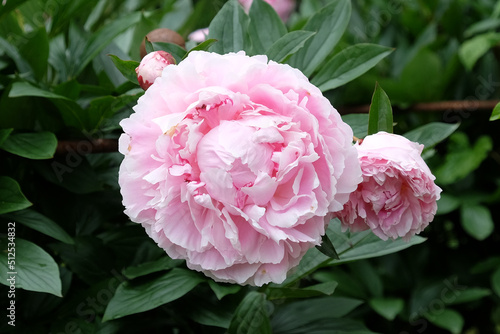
432, 133
229, 28
37, 145
148, 45
495, 114
482, 26
327, 247
13, 53
98, 41
365, 244
265, 28
4, 134
358, 124
126, 67
448, 319
146, 268
350, 247
473, 49
251, 316
476, 221
296, 316
10, 5
470, 295
103, 107
380, 118
175, 50
495, 281
23, 88
34, 269
132, 298
460, 153
40, 223
11, 197
39, 41
447, 203
223, 289
329, 24
203, 46
321, 289
349, 64
389, 308
288, 45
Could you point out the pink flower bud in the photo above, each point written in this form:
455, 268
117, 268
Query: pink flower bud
152, 66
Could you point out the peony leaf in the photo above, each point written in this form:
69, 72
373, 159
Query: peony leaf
447, 203
22, 88
349, 64
495, 281
432, 133
358, 123
461, 153
8, 6
389, 308
470, 295
482, 26
473, 49
103, 37
148, 45
476, 221
495, 114
223, 289
34, 269
36, 146
40, 223
229, 28
11, 197
146, 268
380, 118
126, 67
175, 50
203, 46
321, 289
329, 24
288, 45
4, 134
317, 315
265, 27
448, 319
327, 248
251, 315
39, 41
133, 298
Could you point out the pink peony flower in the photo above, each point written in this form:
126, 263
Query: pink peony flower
233, 164
397, 197
283, 7
199, 35
151, 67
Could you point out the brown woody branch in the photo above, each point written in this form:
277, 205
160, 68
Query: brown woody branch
111, 145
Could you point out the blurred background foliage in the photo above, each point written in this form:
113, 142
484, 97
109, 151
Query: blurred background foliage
58, 84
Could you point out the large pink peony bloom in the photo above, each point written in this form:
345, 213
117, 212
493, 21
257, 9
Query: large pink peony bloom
397, 197
283, 7
233, 164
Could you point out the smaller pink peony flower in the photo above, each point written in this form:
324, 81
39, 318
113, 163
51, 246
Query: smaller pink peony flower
397, 197
283, 7
152, 66
199, 35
